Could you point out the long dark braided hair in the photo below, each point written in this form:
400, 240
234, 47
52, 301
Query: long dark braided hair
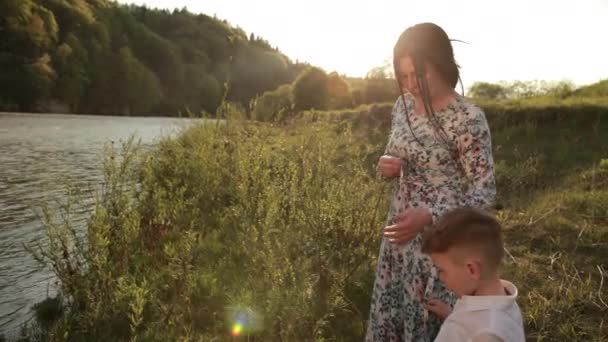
425, 44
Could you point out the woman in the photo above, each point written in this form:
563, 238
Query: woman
440, 150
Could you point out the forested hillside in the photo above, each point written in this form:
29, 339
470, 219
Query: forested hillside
94, 56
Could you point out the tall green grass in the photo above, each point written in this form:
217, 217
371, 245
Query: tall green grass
279, 226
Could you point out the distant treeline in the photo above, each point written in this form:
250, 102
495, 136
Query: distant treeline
95, 56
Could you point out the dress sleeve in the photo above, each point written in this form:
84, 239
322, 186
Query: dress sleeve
477, 163
398, 107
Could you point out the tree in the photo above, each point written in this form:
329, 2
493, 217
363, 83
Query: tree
561, 89
338, 92
101, 57
310, 90
27, 32
26, 28
255, 71
122, 85
70, 61
490, 91
379, 88
273, 105
381, 72
140, 86
34, 83
521, 89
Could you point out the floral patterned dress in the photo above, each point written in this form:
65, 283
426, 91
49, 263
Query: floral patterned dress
439, 173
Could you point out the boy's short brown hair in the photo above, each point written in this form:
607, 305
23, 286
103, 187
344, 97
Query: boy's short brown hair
466, 227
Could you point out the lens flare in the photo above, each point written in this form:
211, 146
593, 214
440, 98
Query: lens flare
237, 328
242, 320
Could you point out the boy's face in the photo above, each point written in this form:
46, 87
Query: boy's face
460, 274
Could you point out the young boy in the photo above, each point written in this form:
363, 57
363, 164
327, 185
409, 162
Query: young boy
466, 248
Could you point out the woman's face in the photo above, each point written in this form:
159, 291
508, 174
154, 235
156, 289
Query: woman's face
408, 78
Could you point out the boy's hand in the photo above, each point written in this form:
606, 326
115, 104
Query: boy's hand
439, 308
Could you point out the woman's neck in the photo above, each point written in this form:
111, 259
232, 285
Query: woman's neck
438, 102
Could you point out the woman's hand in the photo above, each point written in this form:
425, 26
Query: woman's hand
408, 224
389, 166
439, 308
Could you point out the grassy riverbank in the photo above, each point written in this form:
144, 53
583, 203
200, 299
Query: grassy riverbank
278, 227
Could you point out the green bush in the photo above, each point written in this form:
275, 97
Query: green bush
274, 105
309, 90
338, 92
280, 223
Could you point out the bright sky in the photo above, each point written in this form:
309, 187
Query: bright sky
508, 40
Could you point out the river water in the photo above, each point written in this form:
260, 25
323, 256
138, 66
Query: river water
38, 153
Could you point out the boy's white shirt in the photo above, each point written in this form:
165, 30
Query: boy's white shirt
484, 319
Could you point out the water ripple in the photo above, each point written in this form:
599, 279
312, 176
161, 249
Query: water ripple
38, 154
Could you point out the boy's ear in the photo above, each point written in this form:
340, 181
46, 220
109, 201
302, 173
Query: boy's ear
474, 268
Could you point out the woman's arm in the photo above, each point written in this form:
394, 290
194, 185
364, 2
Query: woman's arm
475, 147
398, 107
